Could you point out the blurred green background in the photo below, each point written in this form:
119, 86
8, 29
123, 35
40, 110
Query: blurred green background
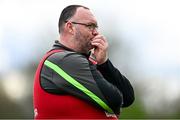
144, 44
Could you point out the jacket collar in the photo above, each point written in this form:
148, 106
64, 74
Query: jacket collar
58, 45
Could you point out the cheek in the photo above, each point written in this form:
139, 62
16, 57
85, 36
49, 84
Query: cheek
90, 36
86, 35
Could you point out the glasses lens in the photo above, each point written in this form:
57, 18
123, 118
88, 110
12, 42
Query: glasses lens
92, 26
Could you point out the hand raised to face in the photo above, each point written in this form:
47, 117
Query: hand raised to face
100, 48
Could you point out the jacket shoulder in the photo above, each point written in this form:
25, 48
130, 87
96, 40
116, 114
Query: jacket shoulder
69, 60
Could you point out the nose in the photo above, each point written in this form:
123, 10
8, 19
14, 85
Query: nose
95, 32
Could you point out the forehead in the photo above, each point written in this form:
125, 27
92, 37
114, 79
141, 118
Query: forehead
83, 14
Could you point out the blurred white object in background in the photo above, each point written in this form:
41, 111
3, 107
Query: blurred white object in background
15, 86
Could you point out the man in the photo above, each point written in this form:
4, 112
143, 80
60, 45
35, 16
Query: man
75, 79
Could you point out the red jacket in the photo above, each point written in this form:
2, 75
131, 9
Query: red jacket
68, 85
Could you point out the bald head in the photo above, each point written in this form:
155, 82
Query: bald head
83, 15
67, 13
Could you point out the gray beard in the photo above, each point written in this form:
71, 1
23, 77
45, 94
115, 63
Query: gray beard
83, 45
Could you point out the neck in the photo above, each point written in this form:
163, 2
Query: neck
68, 42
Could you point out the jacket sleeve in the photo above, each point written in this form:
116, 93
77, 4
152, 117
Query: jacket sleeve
112, 75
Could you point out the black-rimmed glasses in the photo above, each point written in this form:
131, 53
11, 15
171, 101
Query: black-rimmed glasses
91, 26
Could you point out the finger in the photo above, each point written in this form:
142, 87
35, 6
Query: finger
98, 45
100, 37
98, 41
101, 45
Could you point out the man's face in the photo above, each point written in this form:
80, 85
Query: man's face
84, 33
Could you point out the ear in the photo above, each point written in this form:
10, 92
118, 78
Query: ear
69, 27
